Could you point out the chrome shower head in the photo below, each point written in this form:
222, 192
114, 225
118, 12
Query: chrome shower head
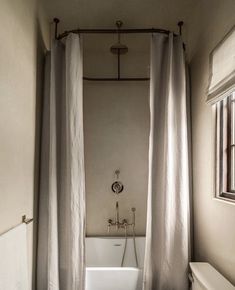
119, 48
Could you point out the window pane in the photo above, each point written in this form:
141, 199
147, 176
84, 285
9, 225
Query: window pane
225, 148
233, 119
232, 165
233, 168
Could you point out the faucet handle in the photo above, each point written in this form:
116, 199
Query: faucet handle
109, 225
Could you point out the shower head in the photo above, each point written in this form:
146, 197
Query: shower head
119, 48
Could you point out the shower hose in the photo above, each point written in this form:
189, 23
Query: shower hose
134, 244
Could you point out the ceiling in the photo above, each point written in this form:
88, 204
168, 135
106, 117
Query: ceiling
134, 14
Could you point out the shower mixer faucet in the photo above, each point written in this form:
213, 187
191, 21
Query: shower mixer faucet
123, 224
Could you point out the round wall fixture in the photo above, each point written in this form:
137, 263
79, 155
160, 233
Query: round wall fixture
117, 187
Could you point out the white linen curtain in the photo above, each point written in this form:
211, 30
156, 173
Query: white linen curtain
61, 233
168, 229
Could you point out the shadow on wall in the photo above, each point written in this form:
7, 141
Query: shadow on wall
41, 51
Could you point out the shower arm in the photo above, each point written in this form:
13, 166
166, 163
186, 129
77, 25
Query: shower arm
119, 25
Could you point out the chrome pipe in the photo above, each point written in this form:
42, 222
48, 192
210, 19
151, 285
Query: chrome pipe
117, 215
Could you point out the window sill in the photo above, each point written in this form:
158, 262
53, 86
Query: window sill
226, 197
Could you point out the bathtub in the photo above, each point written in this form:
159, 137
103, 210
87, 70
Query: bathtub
103, 264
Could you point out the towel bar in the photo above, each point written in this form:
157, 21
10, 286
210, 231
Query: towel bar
25, 220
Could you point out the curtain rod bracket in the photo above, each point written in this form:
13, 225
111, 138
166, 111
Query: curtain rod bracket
119, 24
56, 21
180, 24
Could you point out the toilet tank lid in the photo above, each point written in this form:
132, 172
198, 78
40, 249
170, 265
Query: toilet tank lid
209, 277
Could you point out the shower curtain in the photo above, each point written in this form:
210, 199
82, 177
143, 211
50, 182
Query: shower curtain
61, 232
168, 222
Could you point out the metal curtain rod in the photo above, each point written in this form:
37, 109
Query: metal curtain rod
115, 79
118, 48
112, 31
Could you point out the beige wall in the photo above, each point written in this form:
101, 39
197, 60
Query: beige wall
214, 229
116, 120
21, 51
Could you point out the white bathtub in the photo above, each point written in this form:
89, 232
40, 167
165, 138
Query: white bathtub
103, 264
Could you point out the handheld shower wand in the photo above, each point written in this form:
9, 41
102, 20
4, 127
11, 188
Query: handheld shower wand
133, 215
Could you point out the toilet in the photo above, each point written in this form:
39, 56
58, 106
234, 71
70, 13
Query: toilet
203, 276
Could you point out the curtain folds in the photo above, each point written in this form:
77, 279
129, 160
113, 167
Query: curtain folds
168, 222
61, 232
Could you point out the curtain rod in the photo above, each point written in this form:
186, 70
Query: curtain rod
118, 50
113, 31
115, 79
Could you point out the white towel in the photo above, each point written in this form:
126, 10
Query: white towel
13, 259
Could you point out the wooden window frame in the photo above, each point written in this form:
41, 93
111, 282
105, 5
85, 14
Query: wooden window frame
224, 149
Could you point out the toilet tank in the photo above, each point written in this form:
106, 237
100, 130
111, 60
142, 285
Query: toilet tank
205, 277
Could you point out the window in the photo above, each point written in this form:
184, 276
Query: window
221, 94
225, 147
